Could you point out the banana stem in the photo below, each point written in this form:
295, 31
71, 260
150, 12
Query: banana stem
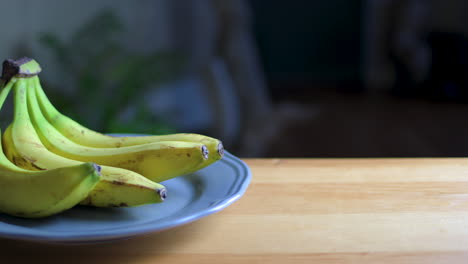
21, 68
24, 67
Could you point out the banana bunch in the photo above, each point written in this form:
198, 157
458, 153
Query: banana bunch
50, 163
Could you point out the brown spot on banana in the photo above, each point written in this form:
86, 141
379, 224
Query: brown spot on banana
117, 205
87, 201
54, 118
24, 163
29, 159
37, 167
32, 143
118, 182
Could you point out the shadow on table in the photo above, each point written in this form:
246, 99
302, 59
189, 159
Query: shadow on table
130, 250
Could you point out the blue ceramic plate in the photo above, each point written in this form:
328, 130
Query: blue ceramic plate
190, 198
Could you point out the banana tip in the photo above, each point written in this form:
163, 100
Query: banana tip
97, 167
205, 152
220, 149
162, 193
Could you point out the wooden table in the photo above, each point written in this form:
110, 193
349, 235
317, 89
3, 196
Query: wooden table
308, 211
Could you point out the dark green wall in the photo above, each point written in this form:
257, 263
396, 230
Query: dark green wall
309, 40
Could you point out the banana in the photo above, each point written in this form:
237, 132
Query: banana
81, 135
35, 194
158, 161
32, 194
117, 187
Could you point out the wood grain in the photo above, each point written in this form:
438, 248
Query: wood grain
308, 211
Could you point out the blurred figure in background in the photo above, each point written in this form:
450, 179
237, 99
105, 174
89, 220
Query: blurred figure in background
417, 48
218, 36
396, 47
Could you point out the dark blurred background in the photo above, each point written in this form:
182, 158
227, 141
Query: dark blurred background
338, 78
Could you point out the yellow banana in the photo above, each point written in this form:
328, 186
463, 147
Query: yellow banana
34, 194
81, 135
117, 187
158, 161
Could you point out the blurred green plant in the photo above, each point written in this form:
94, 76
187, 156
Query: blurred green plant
107, 78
